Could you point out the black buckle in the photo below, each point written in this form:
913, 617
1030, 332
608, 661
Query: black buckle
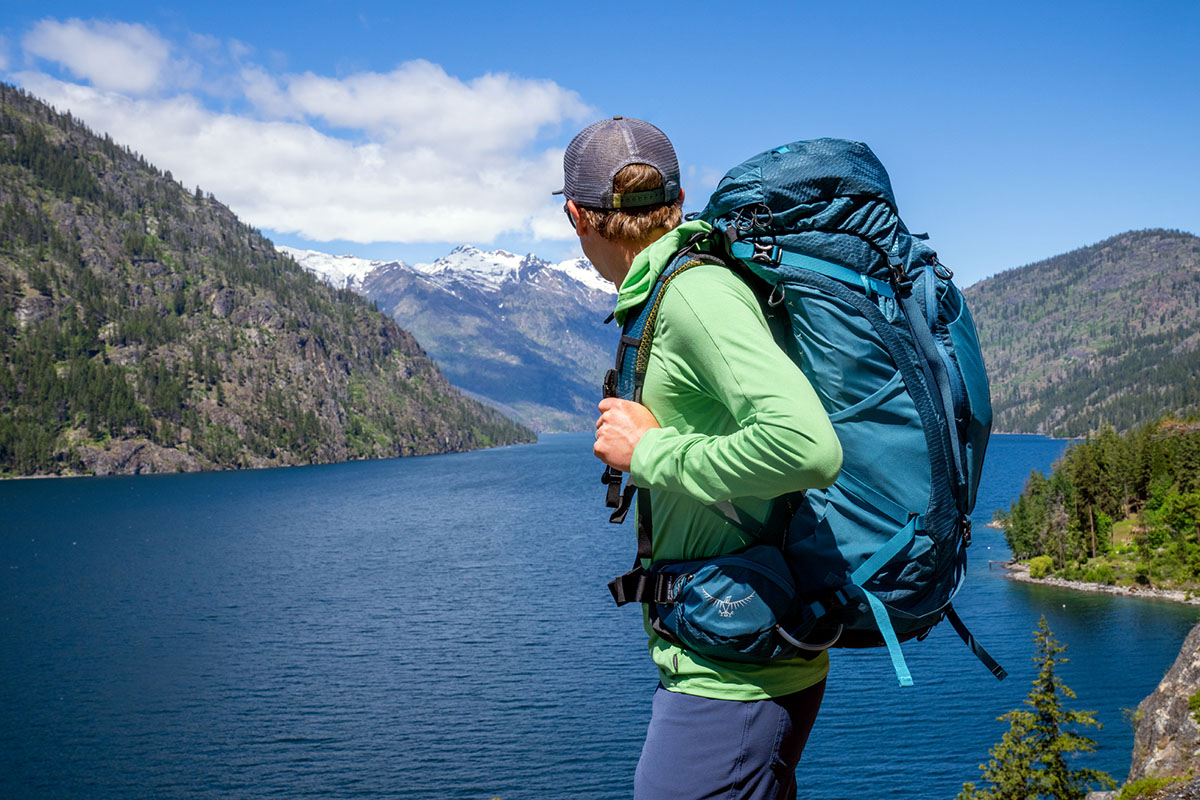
901, 280
611, 380
966, 531
641, 586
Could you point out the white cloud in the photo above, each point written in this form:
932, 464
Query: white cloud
419, 104
115, 56
428, 158
410, 155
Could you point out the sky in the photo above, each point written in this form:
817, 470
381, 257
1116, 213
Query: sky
392, 130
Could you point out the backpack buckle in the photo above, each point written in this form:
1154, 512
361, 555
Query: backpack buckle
765, 253
900, 278
611, 379
966, 531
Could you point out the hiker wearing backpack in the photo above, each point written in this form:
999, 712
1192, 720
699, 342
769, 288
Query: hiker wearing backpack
724, 417
799, 269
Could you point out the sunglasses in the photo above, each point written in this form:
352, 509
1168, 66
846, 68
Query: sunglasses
567, 211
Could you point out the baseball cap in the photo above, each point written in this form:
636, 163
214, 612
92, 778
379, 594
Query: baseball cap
604, 148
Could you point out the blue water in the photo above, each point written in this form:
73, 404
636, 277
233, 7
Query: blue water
440, 628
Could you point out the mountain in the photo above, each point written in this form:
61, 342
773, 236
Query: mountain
518, 332
143, 328
1104, 335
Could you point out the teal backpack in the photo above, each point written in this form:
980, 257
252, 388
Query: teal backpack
884, 336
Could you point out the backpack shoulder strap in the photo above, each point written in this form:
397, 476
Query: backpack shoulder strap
626, 378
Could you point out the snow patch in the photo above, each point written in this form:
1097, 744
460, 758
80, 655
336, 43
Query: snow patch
465, 266
343, 272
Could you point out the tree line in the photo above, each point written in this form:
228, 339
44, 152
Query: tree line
1146, 483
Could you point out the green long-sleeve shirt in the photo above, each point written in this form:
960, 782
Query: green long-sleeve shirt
740, 422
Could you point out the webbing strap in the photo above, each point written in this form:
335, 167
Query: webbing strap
641, 586
745, 251
920, 330
891, 548
889, 637
645, 526
624, 501
894, 510
976, 648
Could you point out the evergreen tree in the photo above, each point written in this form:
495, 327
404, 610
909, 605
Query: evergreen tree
1030, 760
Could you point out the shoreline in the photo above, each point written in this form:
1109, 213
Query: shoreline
1015, 571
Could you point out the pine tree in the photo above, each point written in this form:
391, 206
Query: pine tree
1030, 760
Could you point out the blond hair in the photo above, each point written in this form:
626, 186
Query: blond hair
635, 225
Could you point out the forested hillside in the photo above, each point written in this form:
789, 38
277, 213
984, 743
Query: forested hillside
144, 328
1103, 335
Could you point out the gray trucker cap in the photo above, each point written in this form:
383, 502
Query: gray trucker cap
602, 149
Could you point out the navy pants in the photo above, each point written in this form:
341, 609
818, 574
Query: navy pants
703, 749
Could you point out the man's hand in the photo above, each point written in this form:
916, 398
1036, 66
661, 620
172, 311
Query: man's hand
620, 427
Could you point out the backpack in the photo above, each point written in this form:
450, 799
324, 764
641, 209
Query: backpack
883, 335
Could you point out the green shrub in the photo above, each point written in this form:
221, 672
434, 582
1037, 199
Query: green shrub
1143, 787
1040, 566
1101, 573
1194, 706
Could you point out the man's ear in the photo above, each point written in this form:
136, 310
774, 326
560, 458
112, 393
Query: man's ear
681, 196
581, 226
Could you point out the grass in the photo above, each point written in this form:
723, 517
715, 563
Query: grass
1122, 532
1144, 787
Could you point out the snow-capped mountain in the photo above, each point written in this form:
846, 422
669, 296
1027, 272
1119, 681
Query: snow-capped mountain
466, 265
520, 332
344, 272
581, 269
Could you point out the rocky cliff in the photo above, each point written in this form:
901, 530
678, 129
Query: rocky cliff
1166, 741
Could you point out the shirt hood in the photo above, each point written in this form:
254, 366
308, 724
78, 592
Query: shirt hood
649, 264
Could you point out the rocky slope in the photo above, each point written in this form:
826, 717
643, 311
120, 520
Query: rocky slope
1166, 742
1166, 739
143, 328
519, 332
1104, 335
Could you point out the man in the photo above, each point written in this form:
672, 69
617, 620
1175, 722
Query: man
726, 416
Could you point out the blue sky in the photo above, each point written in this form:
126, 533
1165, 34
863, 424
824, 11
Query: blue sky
1012, 132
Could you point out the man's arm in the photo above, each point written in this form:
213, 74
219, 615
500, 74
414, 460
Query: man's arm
712, 331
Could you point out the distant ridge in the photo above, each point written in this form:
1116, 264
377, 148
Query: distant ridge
1103, 335
143, 328
521, 333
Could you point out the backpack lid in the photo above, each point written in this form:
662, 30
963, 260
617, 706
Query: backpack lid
816, 170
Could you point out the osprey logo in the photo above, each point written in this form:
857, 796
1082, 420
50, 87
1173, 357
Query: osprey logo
726, 606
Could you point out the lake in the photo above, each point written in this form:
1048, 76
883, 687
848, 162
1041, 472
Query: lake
439, 627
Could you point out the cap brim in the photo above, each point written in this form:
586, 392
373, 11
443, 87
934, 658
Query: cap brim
558, 191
